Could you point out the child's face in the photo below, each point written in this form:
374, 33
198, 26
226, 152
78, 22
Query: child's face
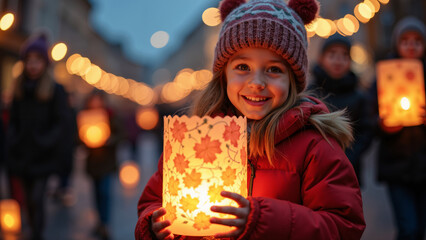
411, 45
35, 65
336, 61
258, 81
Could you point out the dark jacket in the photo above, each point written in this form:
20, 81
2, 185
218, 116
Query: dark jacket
36, 133
402, 155
345, 93
312, 193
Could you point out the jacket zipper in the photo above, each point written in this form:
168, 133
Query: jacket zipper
252, 175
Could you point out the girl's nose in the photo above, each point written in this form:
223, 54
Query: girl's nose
258, 81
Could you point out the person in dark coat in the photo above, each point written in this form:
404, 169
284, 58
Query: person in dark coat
339, 87
101, 163
38, 120
402, 150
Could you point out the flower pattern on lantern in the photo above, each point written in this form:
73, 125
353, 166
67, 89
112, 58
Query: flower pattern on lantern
202, 221
207, 149
232, 133
202, 157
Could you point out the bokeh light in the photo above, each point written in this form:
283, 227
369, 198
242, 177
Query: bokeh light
358, 54
6, 21
147, 118
211, 17
17, 69
59, 51
93, 75
129, 174
159, 39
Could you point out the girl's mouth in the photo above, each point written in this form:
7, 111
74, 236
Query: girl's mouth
256, 101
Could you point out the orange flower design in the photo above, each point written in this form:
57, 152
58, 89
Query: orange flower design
180, 163
179, 130
202, 221
173, 186
232, 133
167, 150
229, 176
193, 179
214, 193
243, 154
189, 203
170, 212
207, 149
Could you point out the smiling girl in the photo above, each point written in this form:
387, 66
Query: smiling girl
302, 186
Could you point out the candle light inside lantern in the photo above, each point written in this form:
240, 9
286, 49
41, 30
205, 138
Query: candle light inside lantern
202, 157
10, 216
405, 103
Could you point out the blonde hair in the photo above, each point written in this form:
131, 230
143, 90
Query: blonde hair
44, 89
213, 100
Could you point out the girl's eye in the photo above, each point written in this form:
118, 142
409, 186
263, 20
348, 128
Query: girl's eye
242, 67
274, 70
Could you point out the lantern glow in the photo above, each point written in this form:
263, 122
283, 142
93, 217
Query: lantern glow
202, 157
93, 127
10, 216
400, 91
405, 103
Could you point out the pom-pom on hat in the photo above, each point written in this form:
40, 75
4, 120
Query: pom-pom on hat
37, 43
270, 24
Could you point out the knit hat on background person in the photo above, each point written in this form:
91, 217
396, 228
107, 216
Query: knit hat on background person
334, 40
407, 24
270, 24
37, 43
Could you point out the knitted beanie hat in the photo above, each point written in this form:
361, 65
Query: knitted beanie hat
407, 24
270, 24
37, 43
336, 39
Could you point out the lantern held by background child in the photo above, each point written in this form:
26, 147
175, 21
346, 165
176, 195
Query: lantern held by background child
93, 127
202, 157
401, 92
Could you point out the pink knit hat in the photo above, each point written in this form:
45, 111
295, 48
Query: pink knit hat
270, 24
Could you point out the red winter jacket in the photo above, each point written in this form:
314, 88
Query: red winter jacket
311, 192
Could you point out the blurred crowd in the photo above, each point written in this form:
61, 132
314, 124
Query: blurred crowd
43, 127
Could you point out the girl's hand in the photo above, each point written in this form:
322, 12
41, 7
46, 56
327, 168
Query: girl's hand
241, 213
159, 227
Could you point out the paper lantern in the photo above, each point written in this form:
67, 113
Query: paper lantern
10, 216
202, 157
93, 127
401, 92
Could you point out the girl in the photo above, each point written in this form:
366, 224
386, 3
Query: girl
302, 186
37, 133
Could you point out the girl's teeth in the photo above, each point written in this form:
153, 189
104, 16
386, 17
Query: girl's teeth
255, 99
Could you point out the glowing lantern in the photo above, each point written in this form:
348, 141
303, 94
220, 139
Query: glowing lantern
93, 127
129, 174
400, 90
10, 216
202, 157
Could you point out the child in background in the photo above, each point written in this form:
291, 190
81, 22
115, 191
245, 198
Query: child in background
37, 143
402, 150
303, 185
339, 86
